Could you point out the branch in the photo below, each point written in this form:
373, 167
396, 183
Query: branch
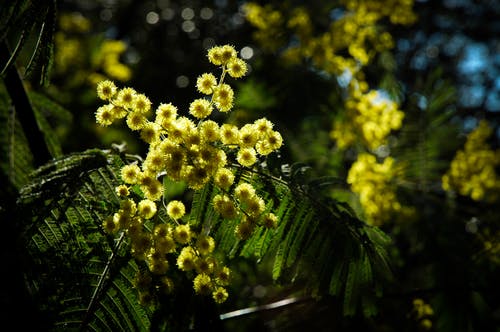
25, 111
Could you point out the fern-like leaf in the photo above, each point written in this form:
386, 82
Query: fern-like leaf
73, 195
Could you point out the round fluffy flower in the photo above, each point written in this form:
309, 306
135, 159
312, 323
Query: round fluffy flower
204, 265
224, 276
220, 295
142, 104
182, 234
130, 173
155, 160
176, 209
223, 97
165, 244
236, 67
255, 206
105, 115
165, 114
227, 53
224, 178
205, 244
106, 89
126, 97
128, 207
206, 83
209, 131
270, 220
275, 140
244, 192
244, 230
202, 284
136, 120
150, 132
248, 136
146, 208
109, 225
215, 55
153, 190
225, 206
263, 126
156, 262
122, 190
186, 259
200, 108
246, 156
229, 134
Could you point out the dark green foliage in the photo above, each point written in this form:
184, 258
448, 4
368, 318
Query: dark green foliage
18, 19
81, 278
317, 242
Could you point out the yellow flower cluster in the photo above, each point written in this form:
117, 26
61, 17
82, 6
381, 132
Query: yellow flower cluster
72, 45
372, 182
369, 116
422, 312
358, 33
473, 170
196, 153
108, 59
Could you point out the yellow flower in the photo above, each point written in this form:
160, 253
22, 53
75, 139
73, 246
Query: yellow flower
122, 190
186, 259
136, 120
236, 68
223, 97
106, 90
109, 225
220, 295
150, 186
150, 132
126, 97
229, 134
146, 208
228, 53
244, 230
248, 136
182, 234
263, 126
104, 115
224, 178
130, 173
255, 206
205, 244
225, 206
155, 160
206, 83
200, 108
274, 140
210, 131
270, 220
202, 284
244, 192
246, 157
128, 207
215, 55
142, 104
204, 265
176, 209
224, 276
